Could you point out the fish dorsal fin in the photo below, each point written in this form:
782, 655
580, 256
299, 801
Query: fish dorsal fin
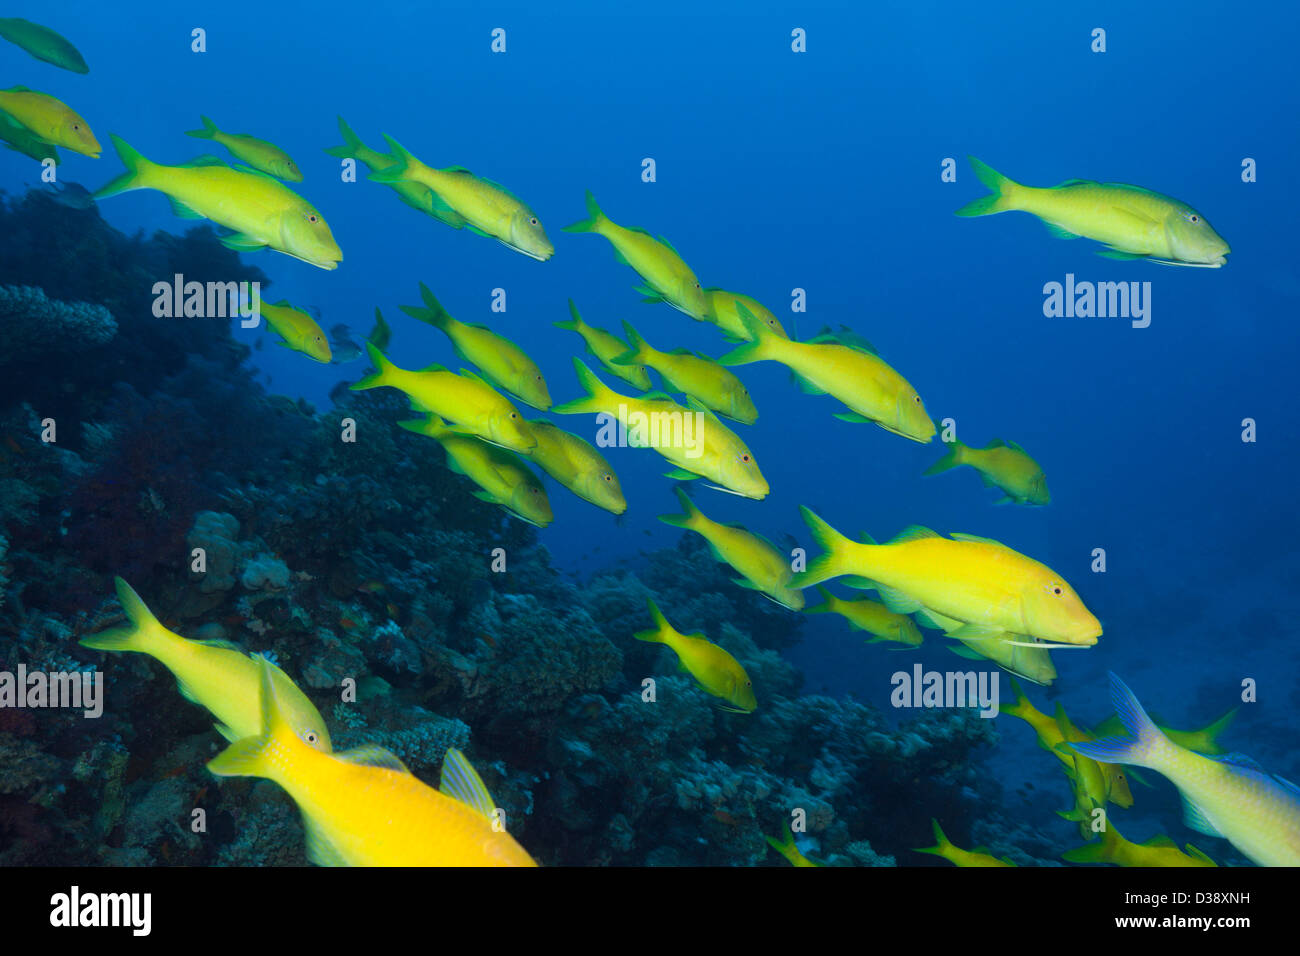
976, 539
913, 533
1076, 182
221, 643
996, 443
207, 159
1195, 819
1015, 447
666, 243
435, 367
371, 755
496, 185
319, 848
461, 781
657, 397
474, 376
644, 232
457, 169
20, 89
1240, 760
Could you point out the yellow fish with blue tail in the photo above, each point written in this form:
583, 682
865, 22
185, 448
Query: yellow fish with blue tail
297, 330
667, 276
500, 361
214, 674
262, 210
762, 567
1132, 222
715, 670
363, 807
488, 208
1229, 796
957, 856
606, 346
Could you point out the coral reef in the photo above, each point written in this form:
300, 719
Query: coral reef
36, 327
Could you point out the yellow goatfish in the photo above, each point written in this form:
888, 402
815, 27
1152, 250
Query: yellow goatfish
692, 374
667, 277
977, 580
263, 156
789, 850
712, 667
1158, 851
691, 438
957, 856
42, 43
1132, 222
298, 330
1001, 464
465, 400
762, 567
870, 616
1008, 651
363, 807
574, 463
416, 195
214, 674
502, 363
1230, 796
501, 475
262, 211
50, 120
488, 208
724, 312
859, 378
15, 136
606, 346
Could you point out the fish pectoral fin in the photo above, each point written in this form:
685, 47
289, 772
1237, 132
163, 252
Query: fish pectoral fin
808, 388
1110, 253
372, 756
1195, 819
319, 848
978, 632
1060, 232
461, 781
681, 474
183, 211
477, 231
226, 732
897, 601
242, 242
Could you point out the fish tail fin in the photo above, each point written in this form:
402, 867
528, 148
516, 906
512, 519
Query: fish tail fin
137, 168
382, 375
209, 130
401, 162
825, 608
574, 324
758, 348
351, 142
594, 218
431, 426
952, 457
140, 635
661, 623
597, 391
1021, 705
1210, 733
1103, 851
638, 353
1145, 746
942, 845
433, 313
827, 565
1001, 191
690, 519
246, 756
382, 333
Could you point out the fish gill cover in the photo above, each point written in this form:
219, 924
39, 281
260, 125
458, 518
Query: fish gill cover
417, 557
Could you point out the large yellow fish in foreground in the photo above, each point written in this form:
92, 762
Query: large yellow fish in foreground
214, 674
1230, 797
870, 616
416, 195
857, 377
691, 438
501, 475
1134, 223
762, 567
574, 463
262, 211
1001, 464
502, 362
465, 400
298, 330
994, 589
957, 856
50, 120
263, 156
692, 374
1158, 851
488, 208
364, 808
42, 43
712, 667
668, 278
1203, 740
606, 346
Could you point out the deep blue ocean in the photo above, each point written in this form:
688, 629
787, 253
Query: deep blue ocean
821, 171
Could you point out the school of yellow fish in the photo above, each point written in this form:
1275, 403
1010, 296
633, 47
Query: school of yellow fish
365, 807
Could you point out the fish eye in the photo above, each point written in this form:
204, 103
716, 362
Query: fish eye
608, 477
917, 399
310, 737
744, 458
514, 414
312, 217
532, 221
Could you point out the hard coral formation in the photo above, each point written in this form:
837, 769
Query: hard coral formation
34, 326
